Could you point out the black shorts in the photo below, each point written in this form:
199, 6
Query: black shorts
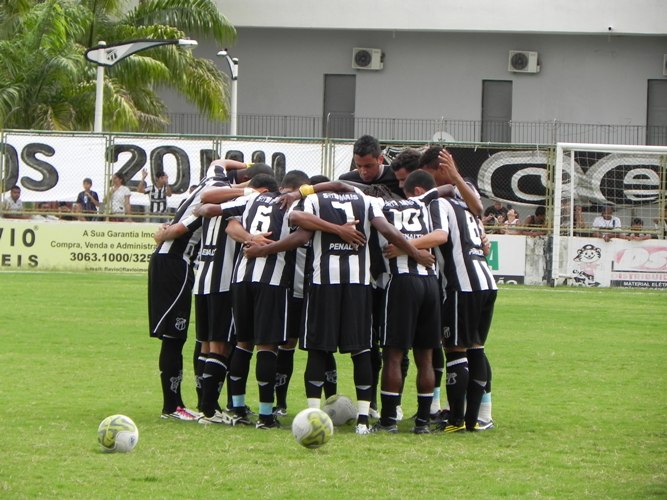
468, 316
294, 317
170, 281
338, 317
214, 317
412, 312
260, 313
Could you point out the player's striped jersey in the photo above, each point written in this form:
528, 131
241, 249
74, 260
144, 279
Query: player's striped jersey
216, 258
187, 245
411, 217
158, 199
461, 260
334, 260
303, 261
261, 213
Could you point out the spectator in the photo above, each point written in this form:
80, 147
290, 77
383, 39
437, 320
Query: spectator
44, 212
661, 226
119, 197
88, 199
13, 206
511, 222
636, 231
491, 214
606, 222
157, 193
536, 221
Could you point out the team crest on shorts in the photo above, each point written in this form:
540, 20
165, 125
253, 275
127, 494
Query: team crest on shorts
181, 324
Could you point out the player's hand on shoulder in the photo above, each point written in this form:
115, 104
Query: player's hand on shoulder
286, 200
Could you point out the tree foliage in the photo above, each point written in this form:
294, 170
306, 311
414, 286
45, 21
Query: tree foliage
47, 84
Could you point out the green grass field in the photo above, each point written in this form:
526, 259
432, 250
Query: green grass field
579, 392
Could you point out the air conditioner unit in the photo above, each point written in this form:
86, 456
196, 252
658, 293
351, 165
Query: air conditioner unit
523, 61
371, 59
664, 65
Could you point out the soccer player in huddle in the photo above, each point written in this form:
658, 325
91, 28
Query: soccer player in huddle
411, 310
470, 293
170, 282
339, 306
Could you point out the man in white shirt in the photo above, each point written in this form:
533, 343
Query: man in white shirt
607, 222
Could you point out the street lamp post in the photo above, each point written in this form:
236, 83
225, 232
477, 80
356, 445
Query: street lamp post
108, 55
234, 73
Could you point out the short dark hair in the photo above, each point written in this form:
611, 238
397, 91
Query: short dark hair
418, 178
258, 168
541, 210
160, 173
266, 181
317, 179
407, 159
429, 158
121, 177
367, 145
637, 222
294, 179
88, 180
15, 187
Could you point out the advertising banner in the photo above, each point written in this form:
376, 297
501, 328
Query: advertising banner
507, 258
75, 246
632, 264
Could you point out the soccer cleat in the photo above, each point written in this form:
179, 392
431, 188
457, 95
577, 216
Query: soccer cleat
399, 413
279, 411
421, 429
238, 416
439, 416
387, 429
266, 425
217, 418
362, 429
448, 428
182, 414
481, 425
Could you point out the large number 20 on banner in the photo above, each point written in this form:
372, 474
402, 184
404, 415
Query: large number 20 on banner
75, 246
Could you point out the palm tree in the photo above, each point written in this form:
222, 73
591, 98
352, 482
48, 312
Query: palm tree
46, 83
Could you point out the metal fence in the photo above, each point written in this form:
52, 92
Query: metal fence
426, 130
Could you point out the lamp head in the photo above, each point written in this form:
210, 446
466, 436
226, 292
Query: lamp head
222, 53
186, 42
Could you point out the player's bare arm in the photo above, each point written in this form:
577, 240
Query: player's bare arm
449, 165
237, 232
347, 232
298, 238
223, 194
394, 236
167, 232
430, 240
287, 199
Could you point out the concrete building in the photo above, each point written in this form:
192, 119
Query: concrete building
586, 71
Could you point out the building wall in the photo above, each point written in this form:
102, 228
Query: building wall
583, 78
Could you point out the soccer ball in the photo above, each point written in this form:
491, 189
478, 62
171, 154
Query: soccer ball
341, 409
117, 433
312, 428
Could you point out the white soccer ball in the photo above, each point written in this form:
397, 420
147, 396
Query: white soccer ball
312, 428
341, 409
117, 433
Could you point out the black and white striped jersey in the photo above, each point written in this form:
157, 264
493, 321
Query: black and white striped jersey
187, 245
411, 217
216, 258
260, 214
303, 261
158, 199
334, 260
461, 260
